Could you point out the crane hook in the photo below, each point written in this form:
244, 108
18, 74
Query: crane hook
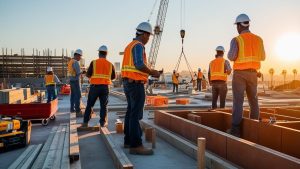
182, 34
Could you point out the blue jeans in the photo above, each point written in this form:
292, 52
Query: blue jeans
135, 95
199, 84
175, 87
75, 96
51, 92
219, 89
244, 81
101, 92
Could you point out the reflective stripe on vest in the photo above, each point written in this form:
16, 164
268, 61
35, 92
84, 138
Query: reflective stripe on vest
102, 70
200, 75
128, 68
250, 52
217, 68
71, 70
49, 80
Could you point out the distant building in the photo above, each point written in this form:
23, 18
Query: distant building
117, 67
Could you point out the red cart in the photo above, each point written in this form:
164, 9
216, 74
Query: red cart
31, 111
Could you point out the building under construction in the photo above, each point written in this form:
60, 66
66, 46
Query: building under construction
34, 65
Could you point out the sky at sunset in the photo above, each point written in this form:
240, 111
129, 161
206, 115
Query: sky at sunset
88, 24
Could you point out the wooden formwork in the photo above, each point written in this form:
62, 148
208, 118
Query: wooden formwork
262, 145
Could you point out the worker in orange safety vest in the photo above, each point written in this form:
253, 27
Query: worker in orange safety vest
135, 72
175, 81
246, 51
100, 73
200, 77
50, 82
74, 73
218, 70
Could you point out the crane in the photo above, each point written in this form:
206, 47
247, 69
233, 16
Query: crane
158, 30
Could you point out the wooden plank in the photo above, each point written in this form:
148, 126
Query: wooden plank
65, 162
20, 160
89, 128
39, 162
10, 96
59, 148
73, 140
119, 158
50, 158
32, 157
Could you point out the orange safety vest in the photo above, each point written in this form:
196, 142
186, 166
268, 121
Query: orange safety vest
71, 70
217, 69
128, 68
251, 52
175, 78
49, 80
102, 70
200, 75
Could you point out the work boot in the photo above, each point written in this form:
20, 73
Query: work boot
141, 150
126, 146
234, 131
79, 114
104, 124
84, 125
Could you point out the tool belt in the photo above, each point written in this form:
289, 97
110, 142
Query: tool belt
133, 81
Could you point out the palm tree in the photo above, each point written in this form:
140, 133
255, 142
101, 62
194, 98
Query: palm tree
284, 76
295, 73
271, 72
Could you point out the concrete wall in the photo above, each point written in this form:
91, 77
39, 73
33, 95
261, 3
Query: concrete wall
244, 153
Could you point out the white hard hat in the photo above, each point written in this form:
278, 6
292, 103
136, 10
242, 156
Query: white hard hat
199, 69
220, 48
103, 48
145, 26
242, 18
78, 51
49, 69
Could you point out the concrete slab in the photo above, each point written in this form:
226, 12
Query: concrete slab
93, 153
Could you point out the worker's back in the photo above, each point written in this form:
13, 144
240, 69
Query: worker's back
102, 70
251, 52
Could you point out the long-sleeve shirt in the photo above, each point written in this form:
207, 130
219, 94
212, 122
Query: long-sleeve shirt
76, 67
227, 67
89, 73
234, 49
56, 80
138, 52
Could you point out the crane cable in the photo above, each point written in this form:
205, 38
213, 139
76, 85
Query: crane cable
182, 34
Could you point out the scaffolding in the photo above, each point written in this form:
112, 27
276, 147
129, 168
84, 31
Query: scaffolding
22, 66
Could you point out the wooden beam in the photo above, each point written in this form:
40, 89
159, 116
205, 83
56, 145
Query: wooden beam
119, 158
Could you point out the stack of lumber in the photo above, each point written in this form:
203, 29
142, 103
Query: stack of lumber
55, 152
26, 159
17, 96
9, 96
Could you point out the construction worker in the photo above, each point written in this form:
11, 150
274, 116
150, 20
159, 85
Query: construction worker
175, 81
200, 76
218, 70
135, 74
74, 76
100, 73
50, 80
246, 51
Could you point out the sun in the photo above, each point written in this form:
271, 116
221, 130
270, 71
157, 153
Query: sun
288, 46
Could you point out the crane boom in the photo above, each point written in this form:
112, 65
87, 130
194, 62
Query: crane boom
158, 29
